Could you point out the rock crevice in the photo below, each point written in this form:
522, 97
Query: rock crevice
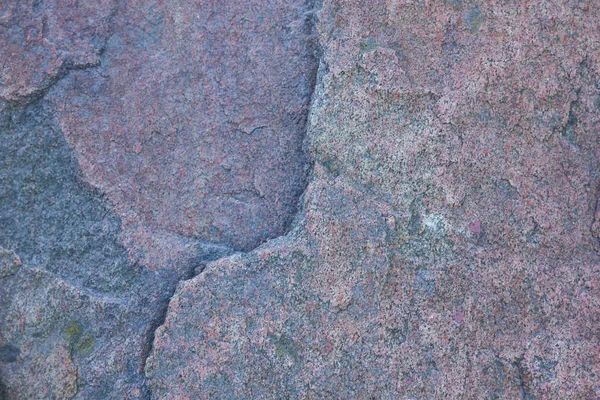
108, 215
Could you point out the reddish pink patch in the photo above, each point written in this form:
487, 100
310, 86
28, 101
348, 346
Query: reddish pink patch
459, 317
475, 227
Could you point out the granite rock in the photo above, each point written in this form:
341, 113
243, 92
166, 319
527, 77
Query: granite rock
193, 125
43, 39
139, 140
189, 209
446, 247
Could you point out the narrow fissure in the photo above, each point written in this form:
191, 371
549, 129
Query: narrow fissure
314, 45
35, 126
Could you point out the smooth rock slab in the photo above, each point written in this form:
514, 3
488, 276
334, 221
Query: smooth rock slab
194, 123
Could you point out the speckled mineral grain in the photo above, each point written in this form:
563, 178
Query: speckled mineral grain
430, 199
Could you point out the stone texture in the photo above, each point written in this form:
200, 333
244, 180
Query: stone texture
139, 140
193, 125
9, 263
43, 39
76, 314
445, 248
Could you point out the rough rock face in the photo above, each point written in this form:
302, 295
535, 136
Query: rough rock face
77, 316
43, 39
193, 124
446, 245
139, 141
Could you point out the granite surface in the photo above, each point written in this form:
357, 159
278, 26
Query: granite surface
140, 140
395, 199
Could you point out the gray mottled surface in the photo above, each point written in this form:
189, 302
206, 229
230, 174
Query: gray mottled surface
78, 316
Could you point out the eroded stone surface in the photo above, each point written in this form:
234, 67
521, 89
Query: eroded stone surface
68, 271
9, 263
447, 246
139, 140
43, 39
66, 342
194, 123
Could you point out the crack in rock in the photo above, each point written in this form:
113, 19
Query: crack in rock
86, 241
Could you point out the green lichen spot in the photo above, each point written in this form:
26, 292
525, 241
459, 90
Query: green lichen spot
85, 344
368, 45
80, 342
473, 18
280, 350
72, 332
284, 346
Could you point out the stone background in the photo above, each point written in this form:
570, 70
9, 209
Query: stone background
336, 199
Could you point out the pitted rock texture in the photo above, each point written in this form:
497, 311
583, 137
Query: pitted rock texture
193, 125
138, 141
447, 246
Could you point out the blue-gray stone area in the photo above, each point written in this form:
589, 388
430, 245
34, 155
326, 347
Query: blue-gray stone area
57, 223
48, 215
75, 275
